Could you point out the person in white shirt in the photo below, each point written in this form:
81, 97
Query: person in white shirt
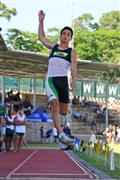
20, 129
118, 134
55, 135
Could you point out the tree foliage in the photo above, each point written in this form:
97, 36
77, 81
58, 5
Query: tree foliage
25, 41
5, 12
98, 41
110, 21
101, 45
53, 34
84, 22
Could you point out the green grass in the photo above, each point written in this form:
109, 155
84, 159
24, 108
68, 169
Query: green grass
99, 163
37, 145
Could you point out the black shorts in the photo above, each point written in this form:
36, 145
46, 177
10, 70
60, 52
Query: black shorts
9, 132
20, 134
58, 88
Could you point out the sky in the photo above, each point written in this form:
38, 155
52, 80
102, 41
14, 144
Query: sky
59, 13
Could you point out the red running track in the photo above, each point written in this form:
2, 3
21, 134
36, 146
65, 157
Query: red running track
42, 163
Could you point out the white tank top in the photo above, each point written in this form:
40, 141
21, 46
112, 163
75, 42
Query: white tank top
20, 128
59, 62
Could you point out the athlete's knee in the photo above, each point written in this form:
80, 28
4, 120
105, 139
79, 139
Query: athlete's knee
63, 113
63, 109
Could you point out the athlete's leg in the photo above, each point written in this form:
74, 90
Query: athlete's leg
56, 119
63, 108
64, 139
56, 114
55, 97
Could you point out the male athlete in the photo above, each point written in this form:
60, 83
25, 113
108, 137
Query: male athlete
62, 60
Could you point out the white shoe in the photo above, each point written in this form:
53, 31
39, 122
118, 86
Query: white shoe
65, 139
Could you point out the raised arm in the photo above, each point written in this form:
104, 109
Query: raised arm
41, 33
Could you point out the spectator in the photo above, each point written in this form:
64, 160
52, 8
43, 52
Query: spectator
77, 115
20, 129
84, 117
107, 133
10, 96
42, 134
9, 134
75, 100
17, 97
27, 105
82, 146
118, 134
85, 102
48, 134
2, 123
54, 135
67, 131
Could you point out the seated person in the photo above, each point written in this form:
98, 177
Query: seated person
17, 97
85, 102
77, 115
75, 100
67, 130
27, 105
10, 96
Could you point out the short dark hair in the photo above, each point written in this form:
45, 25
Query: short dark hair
67, 28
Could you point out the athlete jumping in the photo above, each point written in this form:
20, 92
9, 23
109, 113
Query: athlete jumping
62, 60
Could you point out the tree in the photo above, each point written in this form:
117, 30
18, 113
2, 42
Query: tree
98, 41
5, 12
53, 34
110, 21
84, 22
25, 41
102, 45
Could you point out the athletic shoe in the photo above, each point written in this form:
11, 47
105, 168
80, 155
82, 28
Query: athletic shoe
65, 139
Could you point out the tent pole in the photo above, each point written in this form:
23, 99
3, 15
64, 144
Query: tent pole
34, 91
3, 85
107, 92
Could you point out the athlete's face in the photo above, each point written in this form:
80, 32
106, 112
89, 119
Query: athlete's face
66, 36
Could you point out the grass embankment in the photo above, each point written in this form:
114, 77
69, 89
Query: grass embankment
42, 145
98, 161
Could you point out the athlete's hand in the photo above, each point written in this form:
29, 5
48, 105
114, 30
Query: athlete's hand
72, 86
41, 15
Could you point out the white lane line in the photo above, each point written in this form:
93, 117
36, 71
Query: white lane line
20, 165
77, 163
53, 174
84, 168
